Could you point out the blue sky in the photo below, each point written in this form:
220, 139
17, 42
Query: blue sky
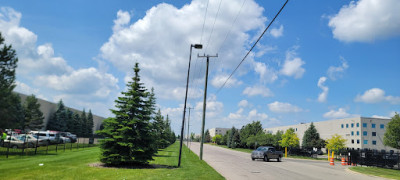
318, 61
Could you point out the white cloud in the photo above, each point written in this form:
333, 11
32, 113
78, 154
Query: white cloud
337, 72
324, 94
243, 103
213, 106
84, 81
340, 113
220, 79
277, 32
293, 65
258, 90
366, 21
376, 95
160, 41
281, 107
51, 75
267, 74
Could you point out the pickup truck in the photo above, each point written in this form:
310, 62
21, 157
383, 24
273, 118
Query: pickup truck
266, 153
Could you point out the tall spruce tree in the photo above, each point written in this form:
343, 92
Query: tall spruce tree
10, 105
207, 136
58, 120
311, 138
129, 137
76, 125
69, 120
159, 128
89, 123
33, 116
83, 124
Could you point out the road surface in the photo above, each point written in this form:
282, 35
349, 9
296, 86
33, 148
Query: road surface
238, 165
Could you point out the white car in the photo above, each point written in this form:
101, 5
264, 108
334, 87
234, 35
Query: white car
53, 137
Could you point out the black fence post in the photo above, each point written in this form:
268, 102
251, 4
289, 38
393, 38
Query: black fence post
77, 144
64, 146
8, 147
56, 147
37, 142
71, 146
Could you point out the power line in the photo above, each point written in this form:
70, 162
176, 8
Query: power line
212, 29
244, 58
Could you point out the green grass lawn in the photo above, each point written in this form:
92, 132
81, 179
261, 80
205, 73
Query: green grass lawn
75, 165
375, 171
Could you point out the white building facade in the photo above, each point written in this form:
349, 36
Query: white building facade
360, 132
220, 131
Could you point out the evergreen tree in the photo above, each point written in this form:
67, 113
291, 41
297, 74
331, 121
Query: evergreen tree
207, 137
10, 104
76, 125
69, 120
89, 123
311, 138
159, 128
83, 124
233, 138
58, 120
33, 116
129, 138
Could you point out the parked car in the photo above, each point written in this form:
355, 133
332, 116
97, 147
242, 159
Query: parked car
53, 137
15, 143
33, 139
266, 153
72, 137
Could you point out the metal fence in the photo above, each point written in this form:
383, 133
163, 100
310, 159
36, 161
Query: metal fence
7, 149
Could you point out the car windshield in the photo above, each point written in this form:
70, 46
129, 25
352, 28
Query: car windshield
260, 148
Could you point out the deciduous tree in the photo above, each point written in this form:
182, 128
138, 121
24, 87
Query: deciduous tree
392, 134
289, 139
336, 142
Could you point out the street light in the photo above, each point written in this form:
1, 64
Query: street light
197, 46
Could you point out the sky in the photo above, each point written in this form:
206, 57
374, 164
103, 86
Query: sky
319, 60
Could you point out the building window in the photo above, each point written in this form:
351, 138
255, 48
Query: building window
352, 125
382, 126
358, 124
373, 125
374, 142
352, 141
358, 141
342, 126
365, 133
365, 141
373, 133
352, 133
358, 133
296, 129
365, 125
347, 125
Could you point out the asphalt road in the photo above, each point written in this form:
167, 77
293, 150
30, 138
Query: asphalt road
238, 165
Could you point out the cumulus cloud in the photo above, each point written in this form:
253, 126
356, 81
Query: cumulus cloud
243, 103
52, 75
366, 21
376, 95
213, 106
324, 94
267, 74
258, 90
277, 32
381, 117
282, 107
160, 41
220, 79
335, 114
335, 72
293, 65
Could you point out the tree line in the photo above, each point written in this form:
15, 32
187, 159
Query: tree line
136, 132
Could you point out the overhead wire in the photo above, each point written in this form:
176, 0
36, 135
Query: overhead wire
244, 58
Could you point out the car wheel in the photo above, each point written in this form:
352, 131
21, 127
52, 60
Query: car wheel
266, 158
14, 146
279, 159
30, 145
252, 159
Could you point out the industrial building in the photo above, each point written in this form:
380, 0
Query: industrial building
48, 108
360, 132
220, 131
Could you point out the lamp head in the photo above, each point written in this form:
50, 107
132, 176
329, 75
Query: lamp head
198, 46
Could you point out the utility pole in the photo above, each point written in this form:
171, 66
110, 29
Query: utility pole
204, 104
188, 129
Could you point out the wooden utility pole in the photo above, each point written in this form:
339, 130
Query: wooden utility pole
188, 138
204, 104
